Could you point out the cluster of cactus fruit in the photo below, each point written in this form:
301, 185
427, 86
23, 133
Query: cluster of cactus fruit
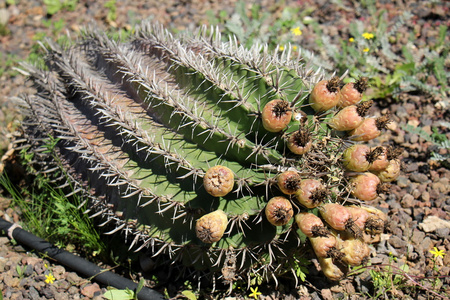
223, 158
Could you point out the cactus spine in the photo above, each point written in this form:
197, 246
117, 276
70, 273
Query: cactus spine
139, 123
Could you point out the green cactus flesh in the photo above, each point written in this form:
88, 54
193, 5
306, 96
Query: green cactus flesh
138, 123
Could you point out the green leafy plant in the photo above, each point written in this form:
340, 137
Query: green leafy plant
50, 214
54, 6
8, 61
438, 139
20, 270
126, 294
188, 291
111, 6
390, 280
386, 280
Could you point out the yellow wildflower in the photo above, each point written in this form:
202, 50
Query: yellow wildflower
49, 278
254, 293
294, 48
351, 40
437, 253
368, 35
366, 50
281, 47
296, 31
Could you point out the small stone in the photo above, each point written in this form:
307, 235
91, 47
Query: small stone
73, 290
16, 296
4, 241
434, 194
39, 268
48, 293
63, 296
73, 278
418, 177
30, 260
2, 264
426, 196
431, 223
58, 272
28, 270
33, 293
394, 204
419, 214
11, 281
402, 181
397, 242
412, 256
63, 285
408, 201
327, 295
438, 186
416, 193
90, 290
426, 243
413, 138
443, 233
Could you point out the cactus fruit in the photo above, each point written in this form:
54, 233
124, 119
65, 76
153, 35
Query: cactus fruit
289, 182
311, 225
391, 172
279, 211
311, 193
218, 181
326, 246
355, 251
211, 227
300, 142
350, 117
339, 218
335, 271
367, 186
352, 92
369, 129
165, 139
357, 158
325, 94
276, 115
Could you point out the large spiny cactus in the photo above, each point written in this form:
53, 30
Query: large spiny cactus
138, 124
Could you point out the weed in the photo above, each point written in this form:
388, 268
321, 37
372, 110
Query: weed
126, 294
214, 20
56, 26
365, 54
20, 271
7, 62
389, 280
54, 6
49, 214
111, 15
4, 30
188, 291
438, 139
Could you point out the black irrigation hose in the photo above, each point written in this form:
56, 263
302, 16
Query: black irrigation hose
76, 263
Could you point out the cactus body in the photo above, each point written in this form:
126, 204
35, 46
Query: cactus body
138, 124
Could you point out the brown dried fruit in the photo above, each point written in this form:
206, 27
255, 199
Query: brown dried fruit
279, 211
218, 181
211, 227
